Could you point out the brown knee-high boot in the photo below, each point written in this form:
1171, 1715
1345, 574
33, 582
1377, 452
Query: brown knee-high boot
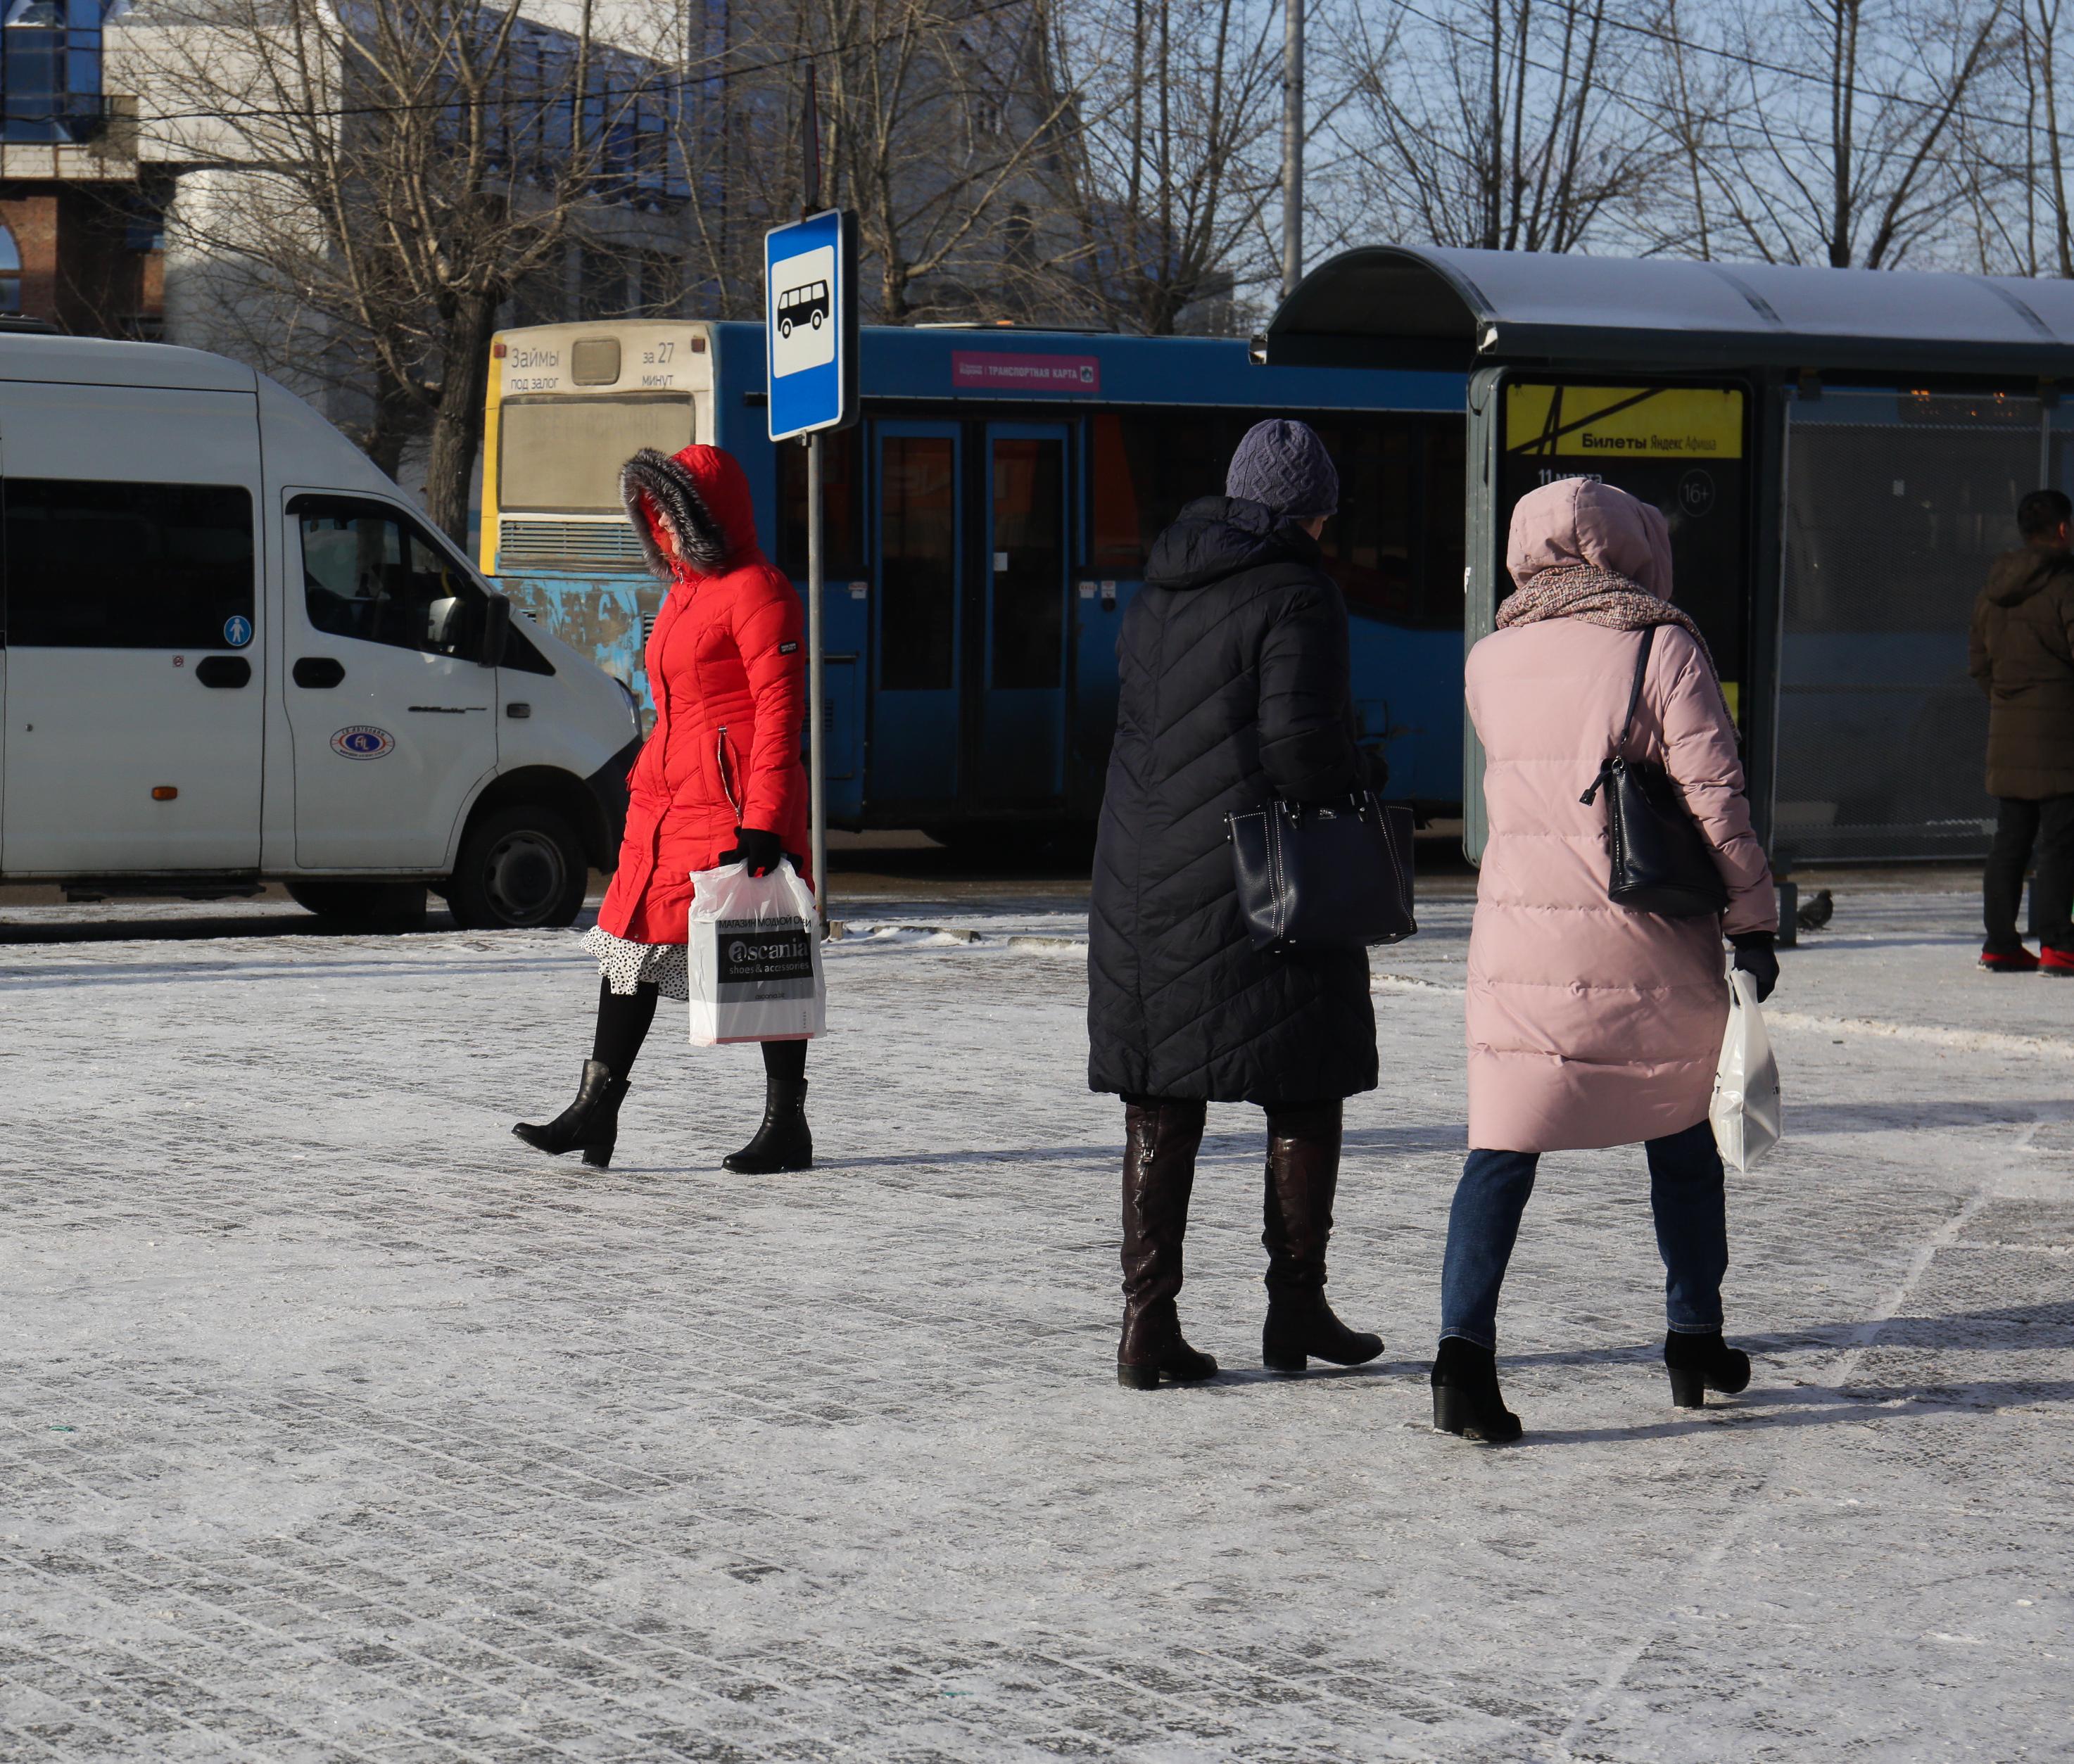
1161, 1138
1303, 1176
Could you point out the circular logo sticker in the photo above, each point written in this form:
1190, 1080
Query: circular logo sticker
238, 630
362, 742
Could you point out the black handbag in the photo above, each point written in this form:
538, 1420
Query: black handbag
1323, 875
1662, 862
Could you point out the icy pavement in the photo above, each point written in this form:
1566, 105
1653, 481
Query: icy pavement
334, 1424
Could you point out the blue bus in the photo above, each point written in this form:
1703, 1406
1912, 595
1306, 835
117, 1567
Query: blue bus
987, 522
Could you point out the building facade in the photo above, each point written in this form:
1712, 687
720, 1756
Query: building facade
81, 237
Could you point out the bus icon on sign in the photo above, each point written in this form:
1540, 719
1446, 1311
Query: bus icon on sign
803, 312
807, 304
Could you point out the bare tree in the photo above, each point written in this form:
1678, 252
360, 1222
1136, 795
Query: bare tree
1499, 124
1162, 191
1830, 131
2014, 159
939, 120
369, 185
937, 117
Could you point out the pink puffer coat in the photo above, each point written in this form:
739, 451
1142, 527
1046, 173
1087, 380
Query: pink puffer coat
1589, 1024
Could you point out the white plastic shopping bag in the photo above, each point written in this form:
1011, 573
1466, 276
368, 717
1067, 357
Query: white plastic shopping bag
1746, 1111
754, 954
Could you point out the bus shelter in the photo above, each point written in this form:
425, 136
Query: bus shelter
1839, 452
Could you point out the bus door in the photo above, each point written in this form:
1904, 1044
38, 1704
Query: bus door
914, 744
1021, 721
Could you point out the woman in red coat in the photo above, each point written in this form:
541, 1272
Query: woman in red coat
719, 781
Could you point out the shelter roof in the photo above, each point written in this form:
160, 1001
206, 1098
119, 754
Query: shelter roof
1387, 304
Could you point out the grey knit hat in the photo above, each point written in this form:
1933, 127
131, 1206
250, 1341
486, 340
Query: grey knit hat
1285, 465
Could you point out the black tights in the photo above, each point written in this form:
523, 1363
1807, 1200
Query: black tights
623, 1019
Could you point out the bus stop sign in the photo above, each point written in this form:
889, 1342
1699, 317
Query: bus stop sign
810, 323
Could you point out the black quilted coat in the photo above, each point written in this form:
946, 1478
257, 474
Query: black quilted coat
1233, 690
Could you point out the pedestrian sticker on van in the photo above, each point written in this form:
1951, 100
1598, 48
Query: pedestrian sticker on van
238, 630
363, 742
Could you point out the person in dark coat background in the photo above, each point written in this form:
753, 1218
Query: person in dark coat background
1232, 690
2022, 654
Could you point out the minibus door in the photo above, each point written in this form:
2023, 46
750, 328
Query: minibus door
393, 718
914, 753
1021, 737
135, 704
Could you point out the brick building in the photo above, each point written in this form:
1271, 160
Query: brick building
80, 234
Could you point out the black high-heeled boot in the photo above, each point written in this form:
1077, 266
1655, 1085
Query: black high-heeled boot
591, 1123
1466, 1400
1161, 1138
783, 1142
1700, 1363
1302, 1177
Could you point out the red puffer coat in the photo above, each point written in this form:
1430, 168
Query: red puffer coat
727, 667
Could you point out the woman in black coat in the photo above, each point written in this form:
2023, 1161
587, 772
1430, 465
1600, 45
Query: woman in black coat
1232, 665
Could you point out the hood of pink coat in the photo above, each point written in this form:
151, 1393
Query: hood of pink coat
1579, 521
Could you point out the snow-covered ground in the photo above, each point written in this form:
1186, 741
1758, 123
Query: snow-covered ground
335, 1424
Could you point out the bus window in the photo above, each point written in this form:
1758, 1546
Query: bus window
842, 506
917, 547
1147, 469
1395, 546
563, 454
1441, 602
1371, 545
1029, 568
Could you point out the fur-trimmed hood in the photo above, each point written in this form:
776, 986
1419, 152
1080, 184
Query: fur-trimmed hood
704, 494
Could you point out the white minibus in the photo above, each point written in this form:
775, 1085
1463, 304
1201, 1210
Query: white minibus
234, 651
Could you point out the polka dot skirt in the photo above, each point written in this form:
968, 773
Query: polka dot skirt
624, 965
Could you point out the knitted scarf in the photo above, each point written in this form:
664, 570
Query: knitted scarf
1598, 597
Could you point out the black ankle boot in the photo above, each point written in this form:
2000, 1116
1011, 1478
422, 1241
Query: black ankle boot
1466, 1400
1305, 1328
590, 1123
1303, 1178
1700, 1363
783, 1142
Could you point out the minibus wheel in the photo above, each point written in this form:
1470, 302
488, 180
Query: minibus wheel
520, 867
361, 906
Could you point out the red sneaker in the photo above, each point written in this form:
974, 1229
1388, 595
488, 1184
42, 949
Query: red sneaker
2020, 961
2058, 962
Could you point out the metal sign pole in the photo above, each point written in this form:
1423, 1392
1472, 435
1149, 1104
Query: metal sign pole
817, 776
810, 353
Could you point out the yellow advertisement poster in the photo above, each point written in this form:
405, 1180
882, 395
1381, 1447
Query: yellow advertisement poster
1696, 423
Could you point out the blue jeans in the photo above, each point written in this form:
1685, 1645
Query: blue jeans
1686, 1193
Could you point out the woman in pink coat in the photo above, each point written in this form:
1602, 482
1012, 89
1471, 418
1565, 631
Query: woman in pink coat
1591, 1024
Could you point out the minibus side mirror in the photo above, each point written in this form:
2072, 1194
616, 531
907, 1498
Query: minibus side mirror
496, 628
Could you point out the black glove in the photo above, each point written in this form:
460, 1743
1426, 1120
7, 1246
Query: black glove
1378, 769
1754, 957
761, 851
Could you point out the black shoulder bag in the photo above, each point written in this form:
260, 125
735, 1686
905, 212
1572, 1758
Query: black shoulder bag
1662, 862
1333, 875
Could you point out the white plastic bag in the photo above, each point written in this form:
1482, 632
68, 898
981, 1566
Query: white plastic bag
1746, 1111
755, 953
